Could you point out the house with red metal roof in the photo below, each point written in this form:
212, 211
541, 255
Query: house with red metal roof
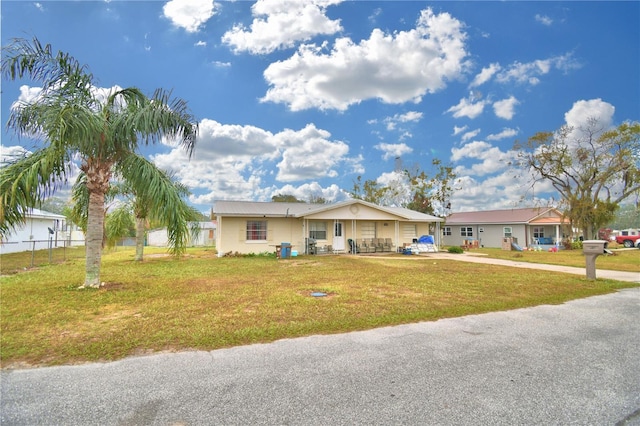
525, 227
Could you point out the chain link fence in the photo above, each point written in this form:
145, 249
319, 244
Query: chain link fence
42, 252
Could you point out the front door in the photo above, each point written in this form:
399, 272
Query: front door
338, 236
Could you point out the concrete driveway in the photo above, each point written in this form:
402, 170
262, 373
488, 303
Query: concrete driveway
633, 277
576, 363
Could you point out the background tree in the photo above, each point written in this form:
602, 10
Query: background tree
317, 199
72, 118
119, 224
592, 168
413, 189
149, 196
627, 216
285, 198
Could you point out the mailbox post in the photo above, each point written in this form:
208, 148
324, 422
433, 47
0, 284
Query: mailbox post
591, 250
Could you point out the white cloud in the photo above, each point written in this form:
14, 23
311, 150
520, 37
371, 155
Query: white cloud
485, 75
487, 178
470, 135
505, 108
466, 108
200, 43
411, 116
219, 64
231, 161
544, 20
12, 153
492, 158
505, 133
394, 68
393, 150
457, 130
189, 14
27, 95
582, 111
529, 72
309, 154
281, 24
332, 193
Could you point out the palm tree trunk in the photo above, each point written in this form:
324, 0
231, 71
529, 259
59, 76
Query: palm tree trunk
98, 176
140, 228
93, 239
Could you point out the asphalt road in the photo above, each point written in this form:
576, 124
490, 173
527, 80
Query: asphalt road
576, 363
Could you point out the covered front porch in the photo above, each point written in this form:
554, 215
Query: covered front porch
352, 236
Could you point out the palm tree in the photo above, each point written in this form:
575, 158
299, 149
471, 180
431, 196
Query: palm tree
151, 195
74, 120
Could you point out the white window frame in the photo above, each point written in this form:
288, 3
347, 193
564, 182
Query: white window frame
466, 231
538, 232
317, 229
258, 231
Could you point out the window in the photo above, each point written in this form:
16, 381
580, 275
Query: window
318, 230
466, 231
368, 230
409, 232
446, 230
337, 231
538, 232
507, 231
256, 230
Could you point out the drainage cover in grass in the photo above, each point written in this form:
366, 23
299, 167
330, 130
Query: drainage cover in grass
318, 294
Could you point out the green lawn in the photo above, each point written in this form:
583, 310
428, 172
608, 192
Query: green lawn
622, 259
204, 302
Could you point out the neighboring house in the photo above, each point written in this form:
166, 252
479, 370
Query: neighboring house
41, 228
528, 227
207, 236
256, 227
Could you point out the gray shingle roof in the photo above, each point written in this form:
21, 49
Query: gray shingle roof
271, 209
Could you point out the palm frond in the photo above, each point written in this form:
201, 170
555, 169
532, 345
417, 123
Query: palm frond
24, 58
26, 182
163, 198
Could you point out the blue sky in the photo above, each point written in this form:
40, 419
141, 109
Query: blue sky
303, 97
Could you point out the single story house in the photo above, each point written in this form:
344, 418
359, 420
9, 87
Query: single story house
526, 227
207, 236
40, 229
257, 227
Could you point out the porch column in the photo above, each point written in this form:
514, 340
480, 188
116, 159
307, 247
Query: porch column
305, 222
354, 228
218, 235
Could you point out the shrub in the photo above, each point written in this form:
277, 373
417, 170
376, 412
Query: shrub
455, 249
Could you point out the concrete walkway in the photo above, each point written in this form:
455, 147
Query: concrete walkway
633, 277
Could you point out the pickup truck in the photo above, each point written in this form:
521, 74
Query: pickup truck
627, 240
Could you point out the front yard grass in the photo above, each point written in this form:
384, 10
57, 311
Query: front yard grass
204, 302
627, 260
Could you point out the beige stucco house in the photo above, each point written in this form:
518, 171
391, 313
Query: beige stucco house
257, 227
529, 227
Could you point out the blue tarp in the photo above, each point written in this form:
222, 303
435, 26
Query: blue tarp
426, 239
